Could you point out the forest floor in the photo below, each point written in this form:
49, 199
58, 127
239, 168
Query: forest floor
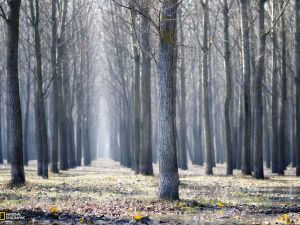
106, 193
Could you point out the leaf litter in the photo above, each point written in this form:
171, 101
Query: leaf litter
106, 193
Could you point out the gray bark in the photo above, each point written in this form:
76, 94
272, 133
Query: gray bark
227, 57
284, 106
297, 66
14, 104
41, 123
54, 152
146, 124
137, 89
182, 116
63, 161
275, 96
207, 115
166, 67
246, 152
258, 151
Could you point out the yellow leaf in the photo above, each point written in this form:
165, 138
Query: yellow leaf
137, 217
82, 220
220, 204
284, 219
53, 209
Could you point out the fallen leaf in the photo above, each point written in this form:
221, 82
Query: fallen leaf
284, 219
220, 204
53, 209
137, 217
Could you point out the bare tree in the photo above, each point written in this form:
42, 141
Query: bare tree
54, 152
227, 57
14, 105
297, 58
207, 116
246, 166
258, 84
168, 169
146, 123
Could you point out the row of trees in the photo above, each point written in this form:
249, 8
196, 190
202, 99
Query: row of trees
179, 80
235, 101
50, 86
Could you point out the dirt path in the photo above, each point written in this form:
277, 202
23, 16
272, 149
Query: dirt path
106, 193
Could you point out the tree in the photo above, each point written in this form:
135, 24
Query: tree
61, 69
41, 124
14, 104
258, 84
227, 57
146, 123
137, 100
246, 166
182, 115
297, 66
207, 116
166, 67
283, 117
54, 152
274, 93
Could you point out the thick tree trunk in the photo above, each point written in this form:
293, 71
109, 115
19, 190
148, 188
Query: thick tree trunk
41, 123
54, 153
246, 154
227, 106
207, 115
14, 104
168, 169
136, 94
258, 151
297, 66
146, 123
284, 106
275, 95
63, 162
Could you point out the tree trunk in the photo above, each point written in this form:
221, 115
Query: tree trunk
54, 153
27, 104
227, 57
14, 104
63, 162
246, 153
258, 151
200, 136
284, 106
41, 123
275, 95
146, 123
137, 100
207, 115
297, 66
26, 121
182, 115
168, 169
